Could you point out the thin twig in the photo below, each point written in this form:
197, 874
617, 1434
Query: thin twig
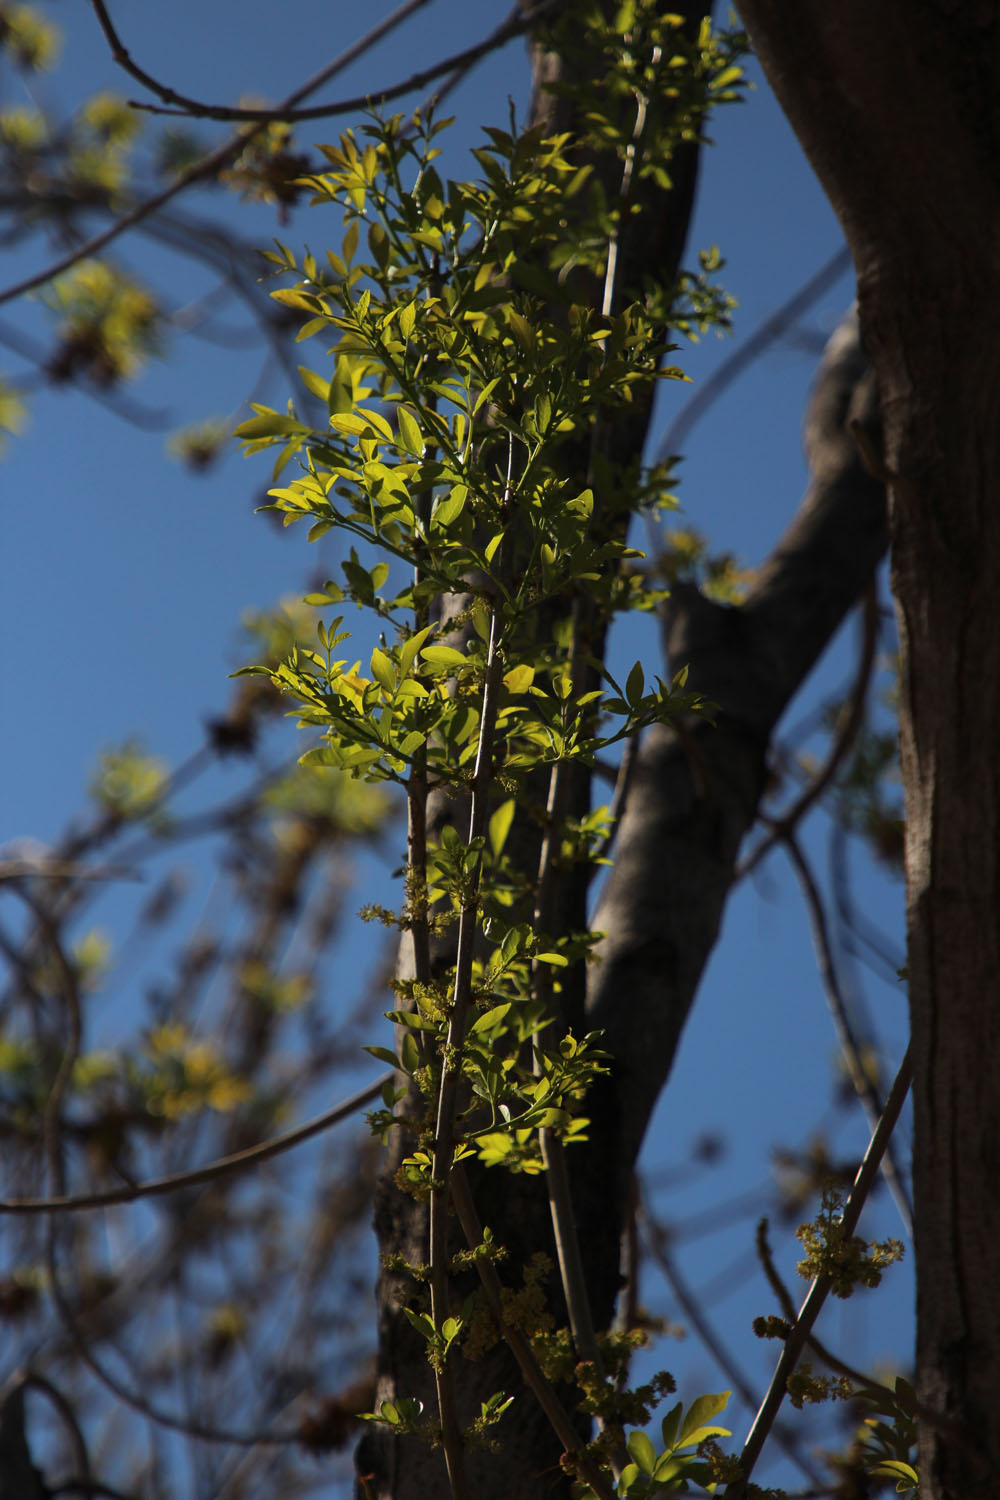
56, 1168
763, 336
571, 1272
44, 868
515, 23
206, 166
226, 1165
849, 1046
518, 1345
872, 1387
451, 1067
851, 722
657, 1243
123, 58
132, 1398
34, 1381
619, 798
857, 933
820, 1288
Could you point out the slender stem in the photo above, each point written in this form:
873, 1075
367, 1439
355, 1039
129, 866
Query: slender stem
518, 1345
417, 802
625, 193
451, 1063
567, 1241
692, 1308
820, 1288
873, 1387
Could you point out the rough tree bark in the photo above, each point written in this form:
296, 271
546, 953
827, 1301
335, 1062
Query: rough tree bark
895, 105
691, 801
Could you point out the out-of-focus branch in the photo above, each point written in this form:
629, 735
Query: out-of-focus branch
831, 1360
695, 793
785, 823
204, 167
357, 49
515, 24
849, 1045
751, 349
224, 1167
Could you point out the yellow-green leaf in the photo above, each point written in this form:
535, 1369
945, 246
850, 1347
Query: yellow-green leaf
382, 670
500, 825
409, 431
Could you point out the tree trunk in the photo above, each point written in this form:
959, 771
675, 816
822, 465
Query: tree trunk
896, 107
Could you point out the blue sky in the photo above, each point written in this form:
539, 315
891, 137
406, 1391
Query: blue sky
125, 576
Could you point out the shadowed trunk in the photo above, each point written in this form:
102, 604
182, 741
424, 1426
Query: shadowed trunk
895, 106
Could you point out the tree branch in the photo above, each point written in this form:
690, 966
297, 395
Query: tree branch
849, 1046
357, 49
820, 1288
785, 823
225, 1166
515, 23
695, 790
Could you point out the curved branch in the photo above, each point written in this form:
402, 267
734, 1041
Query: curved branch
206, 166
225, 1166
515, 24
123, 58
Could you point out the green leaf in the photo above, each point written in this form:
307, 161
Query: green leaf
500, 825
409, 431
382, 671
384, 1055
439, 657
697, 1414
894, 1468
314, 383
519, 679
349, 422
447, 510
410, 1053
642, 1451
490, 1018
421, 1322
670, 1425
410, 647
634, 685
269, 424
450, 1329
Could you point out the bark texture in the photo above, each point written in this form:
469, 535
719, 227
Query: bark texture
895, 105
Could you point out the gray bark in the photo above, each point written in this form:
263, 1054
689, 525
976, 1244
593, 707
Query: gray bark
895, 106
